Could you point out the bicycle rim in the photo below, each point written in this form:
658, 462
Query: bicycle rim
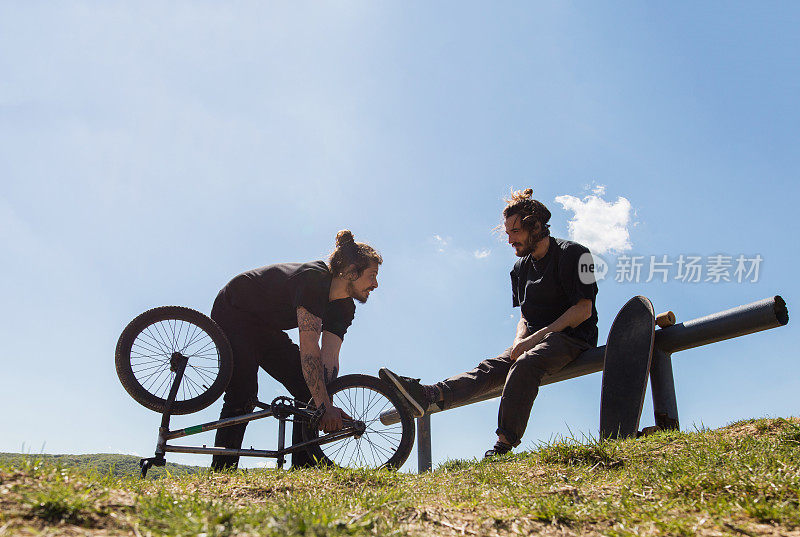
379, 443
152, 350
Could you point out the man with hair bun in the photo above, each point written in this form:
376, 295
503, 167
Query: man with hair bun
558, 322
256, 308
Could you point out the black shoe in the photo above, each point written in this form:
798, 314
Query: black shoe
410, 389
499, 449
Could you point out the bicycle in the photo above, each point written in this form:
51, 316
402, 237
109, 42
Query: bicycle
176, 360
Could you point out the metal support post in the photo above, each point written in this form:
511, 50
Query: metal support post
424, 458
281, 441
665, 404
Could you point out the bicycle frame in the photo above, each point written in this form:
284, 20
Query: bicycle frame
281, 411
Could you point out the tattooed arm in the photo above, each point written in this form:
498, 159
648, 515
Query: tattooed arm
313, 371
331, 344
310, 327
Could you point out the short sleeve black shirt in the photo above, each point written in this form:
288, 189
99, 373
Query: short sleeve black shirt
546, 288
273, 293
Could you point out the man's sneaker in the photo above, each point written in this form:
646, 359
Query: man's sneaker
499, 448
410, 389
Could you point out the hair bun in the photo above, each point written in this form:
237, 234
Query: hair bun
520, 196
345, 236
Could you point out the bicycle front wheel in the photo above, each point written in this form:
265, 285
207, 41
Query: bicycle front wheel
365, 398
144, 353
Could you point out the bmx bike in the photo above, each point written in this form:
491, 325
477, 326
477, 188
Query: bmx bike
176, 360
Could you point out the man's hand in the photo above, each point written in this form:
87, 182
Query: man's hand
524, 345
525, 341
331, 420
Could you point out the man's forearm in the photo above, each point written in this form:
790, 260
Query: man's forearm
522, 331
313, 372
331, 344
572, 317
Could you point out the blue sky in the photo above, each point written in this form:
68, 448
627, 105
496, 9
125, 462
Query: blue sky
150, 152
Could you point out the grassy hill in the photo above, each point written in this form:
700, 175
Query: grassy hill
99, 463
743, 479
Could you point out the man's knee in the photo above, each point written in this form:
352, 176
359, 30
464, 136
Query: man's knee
546, 357
529, 365
238, 407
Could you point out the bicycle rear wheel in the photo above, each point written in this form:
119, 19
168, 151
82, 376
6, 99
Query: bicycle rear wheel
144, 352
365, 398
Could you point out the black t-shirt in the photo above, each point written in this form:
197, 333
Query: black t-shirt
545, 289
273, 293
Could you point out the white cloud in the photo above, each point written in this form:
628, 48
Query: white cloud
599, 225
441, 243
446, 244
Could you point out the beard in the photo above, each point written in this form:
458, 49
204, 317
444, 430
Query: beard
530, 243
361, 296
526, 248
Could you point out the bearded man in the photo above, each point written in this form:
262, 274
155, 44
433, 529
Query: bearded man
558, 322
257, 307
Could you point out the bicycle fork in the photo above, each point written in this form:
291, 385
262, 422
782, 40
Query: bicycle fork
178, 365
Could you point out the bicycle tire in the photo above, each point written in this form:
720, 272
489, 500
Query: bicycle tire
364, 398
143, 354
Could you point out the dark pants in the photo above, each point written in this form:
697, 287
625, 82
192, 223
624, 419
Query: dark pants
255, 346
520, 380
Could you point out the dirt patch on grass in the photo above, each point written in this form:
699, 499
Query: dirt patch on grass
766, 426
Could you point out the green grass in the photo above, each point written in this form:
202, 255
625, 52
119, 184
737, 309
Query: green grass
103, 463
743, 479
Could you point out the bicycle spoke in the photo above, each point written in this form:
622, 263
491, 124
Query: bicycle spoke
190, 384
190, 337
386, 437
350, 406
366, 411
146, 346
177, 335
375, 456
150, 347
206, 367
155, 357
208, 372
175, 332
140, 360
201, 380
343, 444
168, 335
149, 367
372, 396
162, 336
156, 342
155, 377
205, 347
162, 388
160, 368
385, 452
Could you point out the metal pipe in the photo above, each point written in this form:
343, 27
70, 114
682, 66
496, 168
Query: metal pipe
662, 383
424, 458
747, 319
762, 315
219, 424
221, 451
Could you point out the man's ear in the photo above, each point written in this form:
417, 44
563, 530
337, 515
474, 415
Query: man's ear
536, 227
351, 272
